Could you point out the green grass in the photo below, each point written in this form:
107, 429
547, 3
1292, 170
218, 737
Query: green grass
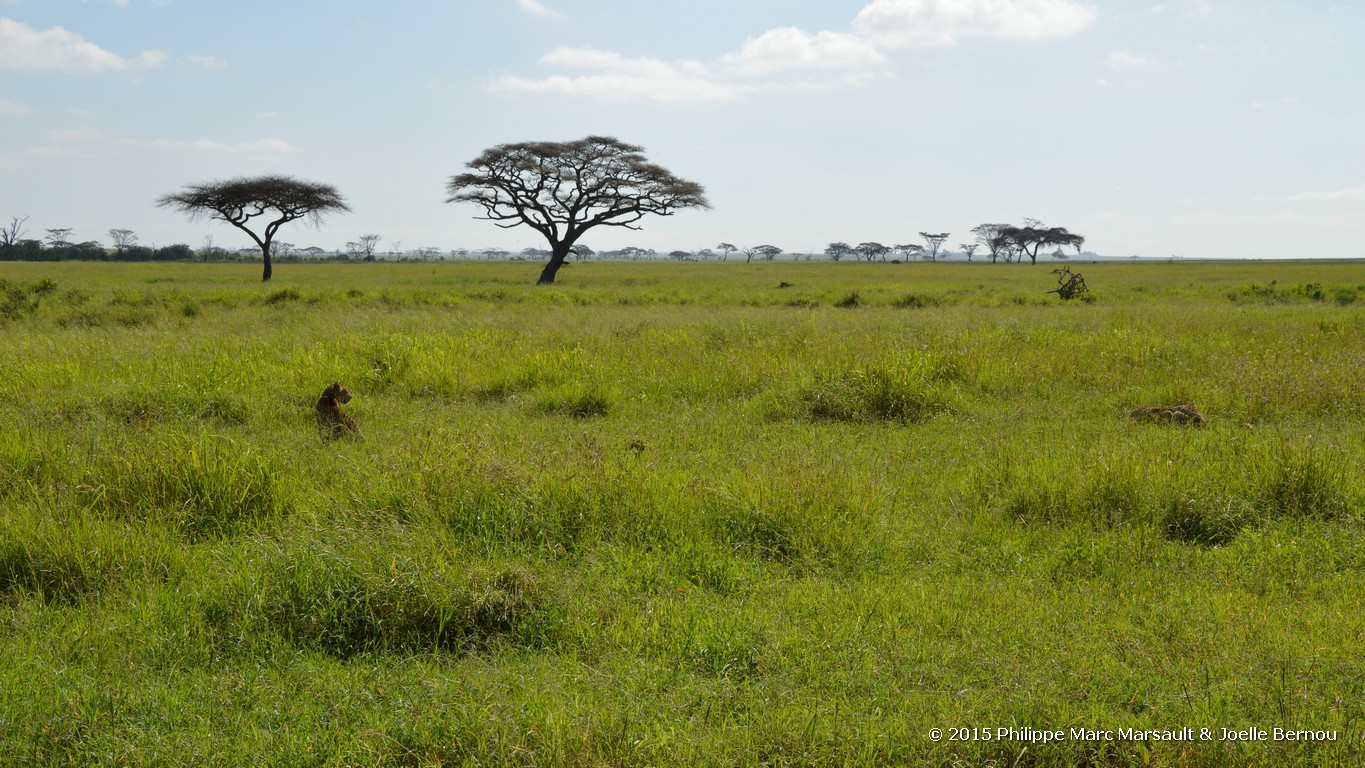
678, 514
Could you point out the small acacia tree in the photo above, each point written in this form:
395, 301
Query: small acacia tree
123, 239
871, 250
1029, 238
935, 241
280, 199
989, 236
561, 189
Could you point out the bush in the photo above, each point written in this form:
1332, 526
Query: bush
849, 300
19, 300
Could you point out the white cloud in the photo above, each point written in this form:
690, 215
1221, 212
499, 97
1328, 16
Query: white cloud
1127, 60
207, 62
536, 8
785, 58
910, 23
57, 50
613, 76
1351, 193
13, 108
787, 48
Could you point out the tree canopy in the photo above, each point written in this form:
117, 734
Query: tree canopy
1033, 236
238, 201
563, 189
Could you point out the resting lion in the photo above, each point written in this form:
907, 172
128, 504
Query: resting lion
1185, 413
332, 421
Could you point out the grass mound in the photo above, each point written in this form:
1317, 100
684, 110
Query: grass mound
346, 596
71, 561
906, 391
200, 488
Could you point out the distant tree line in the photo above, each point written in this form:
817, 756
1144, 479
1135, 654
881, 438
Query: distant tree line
1001, 242
58, 245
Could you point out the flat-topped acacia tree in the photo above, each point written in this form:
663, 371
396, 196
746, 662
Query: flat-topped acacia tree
561, 189
281, 199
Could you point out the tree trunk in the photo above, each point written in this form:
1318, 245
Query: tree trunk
265, 276
558, 253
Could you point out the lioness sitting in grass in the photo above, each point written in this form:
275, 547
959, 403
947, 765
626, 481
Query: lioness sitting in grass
332, 421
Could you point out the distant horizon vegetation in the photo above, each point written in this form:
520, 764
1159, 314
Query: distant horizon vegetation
125, 246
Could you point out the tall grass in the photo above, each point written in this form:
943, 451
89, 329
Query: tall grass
677, 514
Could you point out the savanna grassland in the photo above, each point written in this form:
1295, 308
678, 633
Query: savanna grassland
677, 515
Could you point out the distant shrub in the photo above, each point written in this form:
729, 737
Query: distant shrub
19, 300
1274, 293
916, 301
849, 300
99, 317
283, 295
578, 402
75, 297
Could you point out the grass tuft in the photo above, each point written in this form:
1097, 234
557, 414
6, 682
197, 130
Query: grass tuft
347, 596
576, 401
907, 391
201, 488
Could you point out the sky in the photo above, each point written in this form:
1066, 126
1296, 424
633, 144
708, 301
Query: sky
1158, 128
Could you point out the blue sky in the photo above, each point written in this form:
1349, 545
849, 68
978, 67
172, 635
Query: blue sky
1198, 128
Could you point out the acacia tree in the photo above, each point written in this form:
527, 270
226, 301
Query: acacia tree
935, 241
908, 250
123, 239
1033, 236
363, 248
725, 250
59, 237
836, 251
989, 236
871, 250
766, 252
969, 249
561, 189
238, 201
